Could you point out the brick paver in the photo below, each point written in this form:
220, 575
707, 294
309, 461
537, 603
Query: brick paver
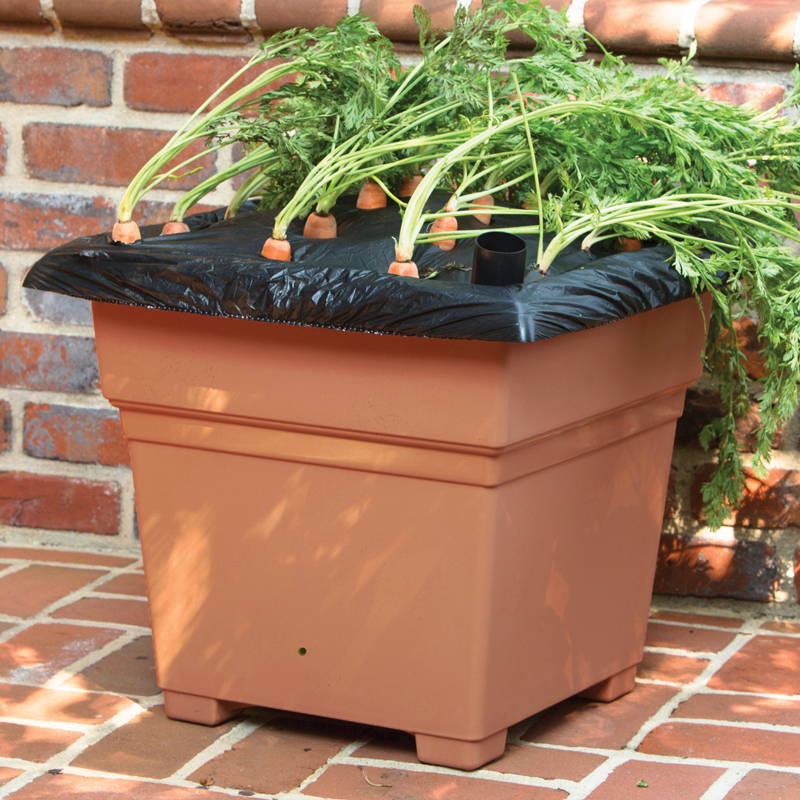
81, 715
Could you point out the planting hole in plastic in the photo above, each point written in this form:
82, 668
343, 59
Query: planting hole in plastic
499, 259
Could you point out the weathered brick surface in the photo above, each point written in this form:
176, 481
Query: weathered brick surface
278, 756
33, 744
3, 150
741, 708
77, 787
130, 583
734, 29
5, 425
760, 95
278, 15
724, 743
209, 20
67, 433
630, 780
30, 590
653, 28
3, 290
61, 308
109, 156
358, 783
175, 81
54, 705
37, 653
396, 21
762, 784
716, 567
58, 503
64, 556
125, 14
150, 746
769, 502
48, 363
22, 12
686, 637
40, 221
698, 619
768, 664
121, 611
131, 670
673, 669
55, 76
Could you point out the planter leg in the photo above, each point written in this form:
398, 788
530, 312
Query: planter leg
460, 754
611, 688
204, 710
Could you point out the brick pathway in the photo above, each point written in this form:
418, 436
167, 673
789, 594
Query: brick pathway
716, 714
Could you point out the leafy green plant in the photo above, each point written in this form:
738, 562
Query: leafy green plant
578, 149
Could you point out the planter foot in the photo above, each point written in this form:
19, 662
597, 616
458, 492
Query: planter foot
460, 754
203, 710
611, 688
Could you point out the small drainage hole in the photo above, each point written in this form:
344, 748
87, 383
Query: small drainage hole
301, 651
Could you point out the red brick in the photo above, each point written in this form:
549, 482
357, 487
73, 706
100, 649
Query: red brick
175, 82
725, 743
211, 20
66, 433
40, 651
662, 781
537, 762
760, 95
278, 756
99, 14
716, 567
6, 774
739, 29
5, 426
350, 783
396, 21
59, 503
55, 76
762, 784
279, 15
129, 583
782, 626
769, 664
3, 150
683, 637
769, 502
131, 670
797, 574
43, 221
121, 611
56, 705
150, 746
77, 787
32, 743
654, 26
741, 708
30, 590
583, 723
22, 13
109, 156
64, 556
48, 363
698, 619
674, 669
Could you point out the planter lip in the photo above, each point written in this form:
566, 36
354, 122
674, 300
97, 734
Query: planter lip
212, 270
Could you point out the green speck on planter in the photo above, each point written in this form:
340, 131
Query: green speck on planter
642, 784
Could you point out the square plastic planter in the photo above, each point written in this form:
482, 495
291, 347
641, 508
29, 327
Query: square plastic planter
440, 536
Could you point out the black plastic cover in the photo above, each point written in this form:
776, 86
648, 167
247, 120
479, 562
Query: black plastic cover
342, 283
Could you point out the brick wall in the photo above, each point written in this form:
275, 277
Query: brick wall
89, 88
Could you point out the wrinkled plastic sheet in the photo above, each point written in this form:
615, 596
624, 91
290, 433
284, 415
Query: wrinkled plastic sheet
342, 283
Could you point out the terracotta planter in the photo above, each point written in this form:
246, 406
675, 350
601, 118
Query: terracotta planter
440, 536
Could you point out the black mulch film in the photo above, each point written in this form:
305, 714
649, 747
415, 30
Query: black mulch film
342, 283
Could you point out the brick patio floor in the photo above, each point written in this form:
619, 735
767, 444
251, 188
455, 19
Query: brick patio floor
716, 714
